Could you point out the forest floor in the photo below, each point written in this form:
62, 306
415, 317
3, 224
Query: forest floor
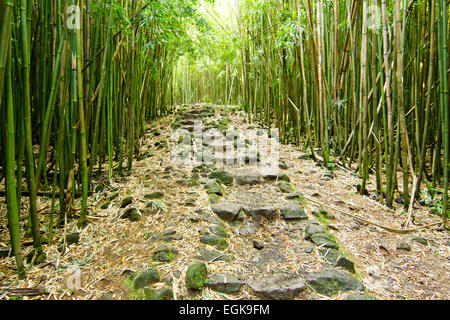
265, 237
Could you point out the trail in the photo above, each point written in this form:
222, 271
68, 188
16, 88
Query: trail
249, 222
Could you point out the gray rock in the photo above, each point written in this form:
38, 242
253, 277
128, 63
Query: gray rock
132, 214
268, 212
215, 240
227, 211
251, 179
324, 240
219, 231
278, 287
194, 218
313, 228
247, 230
222, 176
336, 259
293, 211
275, 175
126, 202
208, 255
225, 283
258, 244
332, 282
420, 240
285, 187
169, 232
403, 246
146, 278
72, 238
309, 249
154, 195
165, 254
295, 196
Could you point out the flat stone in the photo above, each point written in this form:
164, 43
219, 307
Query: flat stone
336, 259
72, 238
271, 174
332, 282
278, 287
294, 196
285, 187
169, 232
222, 176
268, 212
247, 230
293, 211
214, 240
404, 246
313, 228
324, 240
227, 211
219, 231
165, 254
146, 278
420, 240
209, 255
154, 195
225, 283
126, 202
132, 214
248, 179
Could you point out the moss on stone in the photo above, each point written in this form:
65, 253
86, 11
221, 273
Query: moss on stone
196, 276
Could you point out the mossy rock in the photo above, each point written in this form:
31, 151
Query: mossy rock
126, 202
214, 240
337, 259
214, 188
219, 231
285, 187
105, 205
324, 216
223, 177
146, 278
196, 276
72, 238
324, 240
333, 282
113, 197
132, 214
208, 255
214, 198
165, 254
158, 294
154, 195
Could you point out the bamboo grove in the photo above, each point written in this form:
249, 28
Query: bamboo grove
79, 80
362, 82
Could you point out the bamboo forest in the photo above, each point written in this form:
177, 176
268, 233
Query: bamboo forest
224, 150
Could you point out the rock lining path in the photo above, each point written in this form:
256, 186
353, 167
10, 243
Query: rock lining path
236, 231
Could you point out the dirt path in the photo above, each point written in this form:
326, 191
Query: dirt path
249, 223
